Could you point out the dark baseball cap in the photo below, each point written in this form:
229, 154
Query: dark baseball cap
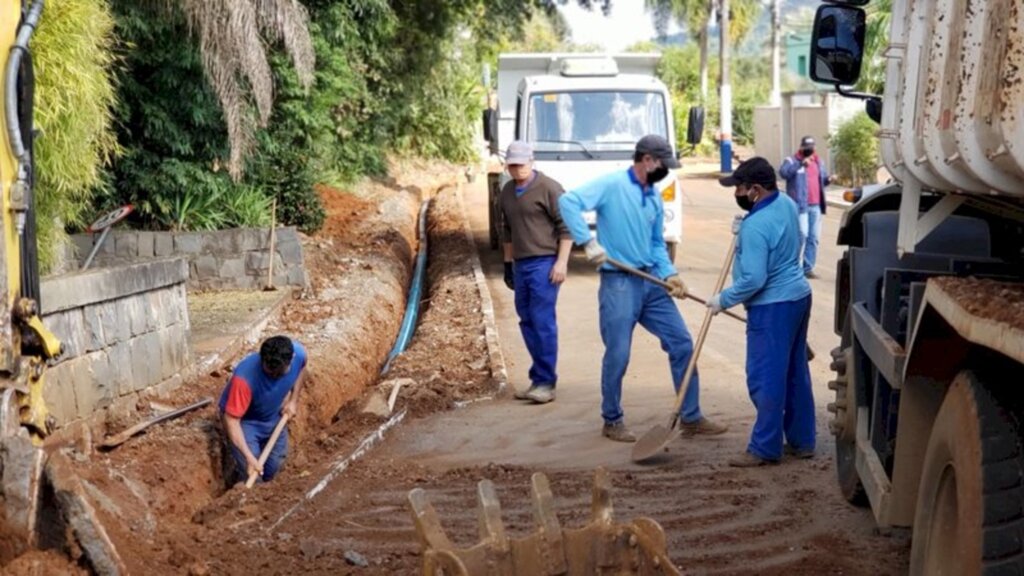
807, 142
659, 148
756, 170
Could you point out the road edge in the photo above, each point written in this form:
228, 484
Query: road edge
496, 359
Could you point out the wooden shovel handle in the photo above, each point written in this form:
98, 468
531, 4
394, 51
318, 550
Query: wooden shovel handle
266, 449
692, 365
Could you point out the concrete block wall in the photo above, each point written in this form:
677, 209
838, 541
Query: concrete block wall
124, 330
217, 260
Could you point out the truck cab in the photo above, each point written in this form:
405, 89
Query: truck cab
583, 114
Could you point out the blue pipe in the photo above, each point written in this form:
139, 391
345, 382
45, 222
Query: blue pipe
412, 305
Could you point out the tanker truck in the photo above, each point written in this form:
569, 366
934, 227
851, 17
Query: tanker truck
929, 385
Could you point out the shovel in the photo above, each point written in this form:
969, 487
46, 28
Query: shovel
652, 443
667, 286
267, 449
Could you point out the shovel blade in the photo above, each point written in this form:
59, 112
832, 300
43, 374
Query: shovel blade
652, 443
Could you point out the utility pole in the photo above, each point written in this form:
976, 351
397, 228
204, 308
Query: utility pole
776, 96
725, 147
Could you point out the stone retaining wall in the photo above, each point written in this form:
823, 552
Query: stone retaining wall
124, 329
217, 260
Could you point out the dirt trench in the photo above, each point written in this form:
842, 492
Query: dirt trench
162, 496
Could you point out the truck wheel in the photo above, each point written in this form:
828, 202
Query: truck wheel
969, 517
492, 210
844, 427
671, 246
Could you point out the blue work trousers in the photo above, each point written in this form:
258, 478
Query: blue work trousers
536, 296
779, 378
626, 300
810, 235
257, 434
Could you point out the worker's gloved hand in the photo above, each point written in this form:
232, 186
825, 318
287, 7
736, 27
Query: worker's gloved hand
677, 287
737, 221
715, 303
595, 252
509, 276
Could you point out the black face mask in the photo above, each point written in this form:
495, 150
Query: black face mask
657, 174
807, 152
744, 202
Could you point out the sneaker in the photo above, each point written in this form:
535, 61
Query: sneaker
748, 460
617, 432
798, 453
703, 427
541, 394
524, 394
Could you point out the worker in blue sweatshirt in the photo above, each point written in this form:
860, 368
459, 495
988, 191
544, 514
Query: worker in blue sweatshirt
769, 281
630, 214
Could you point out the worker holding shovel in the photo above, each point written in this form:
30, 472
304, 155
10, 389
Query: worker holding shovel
769, 282
629, 226
259, 399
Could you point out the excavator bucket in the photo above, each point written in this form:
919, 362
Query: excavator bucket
601, 546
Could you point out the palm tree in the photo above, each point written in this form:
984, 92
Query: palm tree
231, 36
876, 40
695, 16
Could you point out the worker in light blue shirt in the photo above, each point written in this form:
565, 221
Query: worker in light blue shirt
769, 281
629, 229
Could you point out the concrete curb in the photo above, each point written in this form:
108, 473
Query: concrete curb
497, 359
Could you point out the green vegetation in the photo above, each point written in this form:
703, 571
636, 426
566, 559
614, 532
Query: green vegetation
71, 48
856, 151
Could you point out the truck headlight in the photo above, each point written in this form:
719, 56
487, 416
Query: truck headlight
669, 193
669, 215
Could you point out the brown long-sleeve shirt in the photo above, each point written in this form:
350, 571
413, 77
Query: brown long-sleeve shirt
533, 223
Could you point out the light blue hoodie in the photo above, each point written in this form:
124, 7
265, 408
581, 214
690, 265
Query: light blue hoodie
766, 268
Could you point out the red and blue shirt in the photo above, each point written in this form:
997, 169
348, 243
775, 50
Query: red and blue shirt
252, 395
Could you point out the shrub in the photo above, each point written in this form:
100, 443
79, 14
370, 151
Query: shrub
856, 150
73, 47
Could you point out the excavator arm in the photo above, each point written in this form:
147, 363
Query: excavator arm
26, 346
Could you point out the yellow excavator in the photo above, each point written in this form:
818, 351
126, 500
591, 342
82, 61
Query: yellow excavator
25, 344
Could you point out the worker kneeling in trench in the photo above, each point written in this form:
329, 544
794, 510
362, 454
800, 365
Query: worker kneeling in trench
263, 389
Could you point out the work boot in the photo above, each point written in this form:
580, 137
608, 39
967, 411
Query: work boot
617, 432
524, 394
799, 453
541, 394
748, 460
703, 427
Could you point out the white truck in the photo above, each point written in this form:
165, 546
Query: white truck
583, 113
929, 408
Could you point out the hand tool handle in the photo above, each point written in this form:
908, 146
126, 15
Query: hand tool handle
692, 365
267, 449
655, 280
273, 229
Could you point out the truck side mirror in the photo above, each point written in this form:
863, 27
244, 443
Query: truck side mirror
695, 126
837, 45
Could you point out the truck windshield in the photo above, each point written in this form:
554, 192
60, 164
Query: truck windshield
575, 122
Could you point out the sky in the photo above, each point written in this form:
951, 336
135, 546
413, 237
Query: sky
628, 24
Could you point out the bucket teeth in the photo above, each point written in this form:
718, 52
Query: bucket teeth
600, 546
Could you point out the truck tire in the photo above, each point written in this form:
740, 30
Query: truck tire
671, 247
844, 427
969, 517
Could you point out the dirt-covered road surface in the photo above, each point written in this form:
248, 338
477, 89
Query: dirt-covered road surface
162, 496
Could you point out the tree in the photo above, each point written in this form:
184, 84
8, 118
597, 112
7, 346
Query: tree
695, 17
232, 36
877, 38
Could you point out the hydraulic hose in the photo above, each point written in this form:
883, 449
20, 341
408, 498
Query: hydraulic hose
18, 51
412, 306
